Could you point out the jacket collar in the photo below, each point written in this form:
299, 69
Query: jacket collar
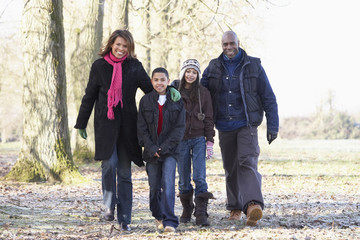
155, 94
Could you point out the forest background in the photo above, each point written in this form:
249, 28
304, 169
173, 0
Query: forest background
316, 96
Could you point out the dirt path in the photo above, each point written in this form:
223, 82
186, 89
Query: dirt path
298, 206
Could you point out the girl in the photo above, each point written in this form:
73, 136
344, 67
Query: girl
198, 138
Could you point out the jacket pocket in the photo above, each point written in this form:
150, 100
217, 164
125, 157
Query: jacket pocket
196, 123
173, 115
252, 104
149, 116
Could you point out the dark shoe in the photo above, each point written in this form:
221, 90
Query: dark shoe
201, 202
109, 215
254, 214
235, 214
186, 200
125, 227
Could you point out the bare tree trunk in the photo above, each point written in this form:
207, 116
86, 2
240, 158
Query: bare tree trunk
45, 152
148, 38
116, 16
83, 40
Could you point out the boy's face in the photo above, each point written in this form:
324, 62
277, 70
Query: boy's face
160, 82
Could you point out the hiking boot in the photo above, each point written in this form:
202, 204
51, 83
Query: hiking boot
169, 229
186, 200
109, 215
254, 214
159, 224
235, 215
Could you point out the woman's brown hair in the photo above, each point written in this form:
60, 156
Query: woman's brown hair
125, 34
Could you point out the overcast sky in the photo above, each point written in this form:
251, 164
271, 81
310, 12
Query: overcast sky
311, 47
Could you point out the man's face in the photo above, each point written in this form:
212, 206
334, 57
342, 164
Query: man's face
230, 45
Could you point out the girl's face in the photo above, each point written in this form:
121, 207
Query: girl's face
190, 76
160, 81
120, 47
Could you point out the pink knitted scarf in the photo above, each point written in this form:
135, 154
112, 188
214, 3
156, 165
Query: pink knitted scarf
115, 91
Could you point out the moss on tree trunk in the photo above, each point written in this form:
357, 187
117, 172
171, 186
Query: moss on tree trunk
26, 170
30, 169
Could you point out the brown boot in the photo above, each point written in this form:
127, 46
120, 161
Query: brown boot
235, 214
188, 206
201, 202
254, 214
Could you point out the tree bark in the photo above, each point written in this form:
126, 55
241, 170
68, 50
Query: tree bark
83, 41
45, 152
116, 16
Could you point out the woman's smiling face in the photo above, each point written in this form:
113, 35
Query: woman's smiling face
120, 47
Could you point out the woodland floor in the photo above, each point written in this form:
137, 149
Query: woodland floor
311, 191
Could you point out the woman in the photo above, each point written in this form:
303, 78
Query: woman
112, 86
198, 137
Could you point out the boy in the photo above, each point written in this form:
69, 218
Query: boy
161, 125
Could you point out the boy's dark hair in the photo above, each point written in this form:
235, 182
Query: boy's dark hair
161, 70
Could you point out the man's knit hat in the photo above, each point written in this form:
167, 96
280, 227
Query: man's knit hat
190, 63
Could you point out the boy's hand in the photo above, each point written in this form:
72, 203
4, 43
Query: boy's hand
157, 154
175, 94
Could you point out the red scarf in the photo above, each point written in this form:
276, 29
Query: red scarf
115, 91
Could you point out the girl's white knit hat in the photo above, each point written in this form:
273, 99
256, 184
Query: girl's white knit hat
190, 63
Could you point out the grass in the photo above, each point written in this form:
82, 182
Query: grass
10, 147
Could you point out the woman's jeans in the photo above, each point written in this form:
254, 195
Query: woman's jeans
161, 176
192, 149
117, 185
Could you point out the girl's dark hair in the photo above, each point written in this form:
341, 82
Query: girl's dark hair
194, 87
125, 34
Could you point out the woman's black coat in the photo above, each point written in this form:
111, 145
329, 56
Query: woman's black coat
123, 127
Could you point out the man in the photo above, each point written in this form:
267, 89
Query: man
241, 93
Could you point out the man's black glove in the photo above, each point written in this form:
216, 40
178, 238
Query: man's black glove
271, 136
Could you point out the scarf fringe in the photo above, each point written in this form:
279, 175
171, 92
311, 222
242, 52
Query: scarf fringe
114, 97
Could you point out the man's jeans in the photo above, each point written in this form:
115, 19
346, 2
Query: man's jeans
192, 149
161, 176
117, 185
240, 151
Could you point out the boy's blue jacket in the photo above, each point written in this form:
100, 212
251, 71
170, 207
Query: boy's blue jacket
172, 129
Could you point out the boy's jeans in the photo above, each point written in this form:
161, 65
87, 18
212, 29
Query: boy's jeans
161, 176
192, 149
118, 170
